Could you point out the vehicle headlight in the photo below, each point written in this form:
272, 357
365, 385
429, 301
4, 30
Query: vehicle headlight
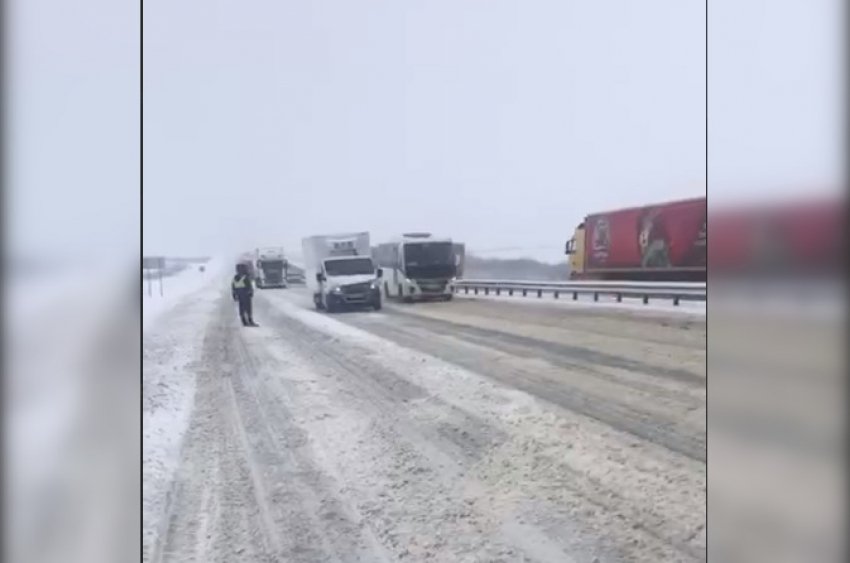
336, 290
375, 286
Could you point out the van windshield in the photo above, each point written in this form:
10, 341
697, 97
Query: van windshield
349, 267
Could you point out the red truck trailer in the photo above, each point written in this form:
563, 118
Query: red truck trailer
669, 241
665, 242
802, 238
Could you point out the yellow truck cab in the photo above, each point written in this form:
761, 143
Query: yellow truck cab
575, 250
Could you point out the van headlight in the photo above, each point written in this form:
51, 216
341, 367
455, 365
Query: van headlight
336, 290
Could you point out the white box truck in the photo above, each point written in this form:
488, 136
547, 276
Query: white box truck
340, 272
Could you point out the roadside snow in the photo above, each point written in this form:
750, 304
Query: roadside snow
175, 288
172, 349
692, 308
53, 325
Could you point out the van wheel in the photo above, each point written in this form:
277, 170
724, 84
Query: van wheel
329, 308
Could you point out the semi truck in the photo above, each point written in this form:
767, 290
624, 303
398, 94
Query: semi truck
796, 238
271, 267
663, 242
669, 241
420, 266
340, 272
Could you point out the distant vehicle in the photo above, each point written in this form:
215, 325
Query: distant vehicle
340, 272
665, 242
271, 267
419, 266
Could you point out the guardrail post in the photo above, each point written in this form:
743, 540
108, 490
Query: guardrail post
575, 295
476, 291
619, 298
596, 296
466, 290
676, 300
556, 294
486, 291
525, 293
539, 293
498, 291
511, 292
646, 299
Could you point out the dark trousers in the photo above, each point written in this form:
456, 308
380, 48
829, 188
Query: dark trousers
246, 313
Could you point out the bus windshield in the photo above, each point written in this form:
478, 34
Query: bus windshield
430, 260
428, 254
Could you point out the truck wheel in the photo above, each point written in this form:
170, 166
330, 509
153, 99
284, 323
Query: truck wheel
317, 301
330, 308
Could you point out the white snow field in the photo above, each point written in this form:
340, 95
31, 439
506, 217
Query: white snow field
176, 288
174, 325
476, 430
70, 347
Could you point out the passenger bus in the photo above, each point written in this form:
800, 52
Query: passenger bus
419, 267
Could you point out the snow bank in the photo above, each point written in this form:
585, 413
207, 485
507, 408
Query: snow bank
176, 288
663, 306
55, 321
172, 351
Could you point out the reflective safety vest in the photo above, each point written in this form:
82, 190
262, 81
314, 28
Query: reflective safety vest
240, 283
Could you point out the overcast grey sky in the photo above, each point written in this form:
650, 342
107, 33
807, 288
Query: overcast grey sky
73, 95
500, 123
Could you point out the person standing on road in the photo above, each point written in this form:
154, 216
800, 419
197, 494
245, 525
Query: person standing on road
242, 290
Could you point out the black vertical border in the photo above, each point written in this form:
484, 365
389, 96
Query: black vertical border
139, 294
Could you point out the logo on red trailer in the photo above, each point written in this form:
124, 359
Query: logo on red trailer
601, 239
653, 239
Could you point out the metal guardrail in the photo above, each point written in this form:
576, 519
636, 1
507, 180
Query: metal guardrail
667, 291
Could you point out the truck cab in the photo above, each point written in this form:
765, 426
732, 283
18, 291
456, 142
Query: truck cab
575, 250
271, 268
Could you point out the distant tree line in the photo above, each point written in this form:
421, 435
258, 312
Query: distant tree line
524, 269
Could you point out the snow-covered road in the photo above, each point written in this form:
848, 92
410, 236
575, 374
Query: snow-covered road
466, 431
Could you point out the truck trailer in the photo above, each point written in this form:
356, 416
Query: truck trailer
669, 241
340, 273
802, 238
664, 242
